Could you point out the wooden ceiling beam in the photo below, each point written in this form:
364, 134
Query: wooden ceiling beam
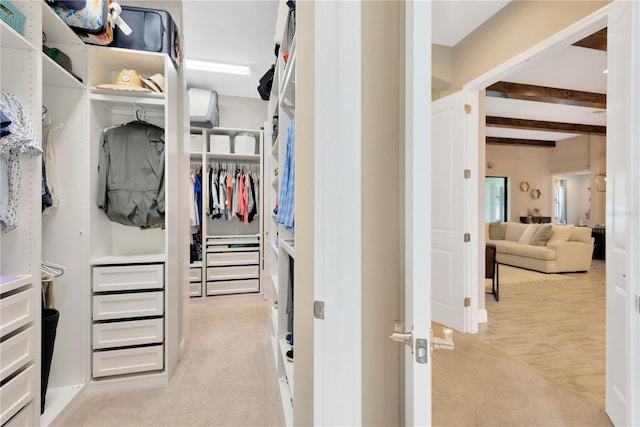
493, 140
506, 122
596, 41
547, 94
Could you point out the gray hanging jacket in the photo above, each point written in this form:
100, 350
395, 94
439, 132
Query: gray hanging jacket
131, 174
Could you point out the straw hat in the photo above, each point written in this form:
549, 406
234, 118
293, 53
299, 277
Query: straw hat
154, 82
127, 80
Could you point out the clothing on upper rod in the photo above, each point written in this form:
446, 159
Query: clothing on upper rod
232, 192
50, 165
18, 140
286, 207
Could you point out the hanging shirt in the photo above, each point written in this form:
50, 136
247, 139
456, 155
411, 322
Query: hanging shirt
287, 186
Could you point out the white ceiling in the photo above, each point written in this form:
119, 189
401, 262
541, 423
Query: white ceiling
235, 32
241, 32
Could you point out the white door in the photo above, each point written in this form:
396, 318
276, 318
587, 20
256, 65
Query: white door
622, 399
417, 212
448, 256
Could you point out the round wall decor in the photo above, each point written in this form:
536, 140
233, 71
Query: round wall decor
535, 193
524, 186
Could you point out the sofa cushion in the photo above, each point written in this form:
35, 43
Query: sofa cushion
580, 234
542, 235
530, 251
526, 236
497, 230
514, 231
561, 233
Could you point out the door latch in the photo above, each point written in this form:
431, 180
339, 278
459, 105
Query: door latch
399, 335
445, 343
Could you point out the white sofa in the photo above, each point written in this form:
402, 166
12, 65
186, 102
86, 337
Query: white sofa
569, 248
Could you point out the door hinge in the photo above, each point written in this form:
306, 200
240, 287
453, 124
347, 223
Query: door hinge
467, 108
467, 173
467, 302
467, 237
318, 309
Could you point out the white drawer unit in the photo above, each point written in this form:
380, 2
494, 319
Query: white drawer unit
16, 393
195, 274
232, 258
24, 418
222, 287
17, 352
128, 333
127, 361
233, 272
16, 311
128, 277
195, 289
129, 305
128, 328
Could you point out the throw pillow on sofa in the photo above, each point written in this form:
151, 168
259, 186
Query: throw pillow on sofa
542, 235
560, 234
526, 236
497, 230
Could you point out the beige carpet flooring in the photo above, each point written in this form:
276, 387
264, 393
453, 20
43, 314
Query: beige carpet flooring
226, 378
537, 363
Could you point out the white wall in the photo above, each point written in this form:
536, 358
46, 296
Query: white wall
243, 113
530, 164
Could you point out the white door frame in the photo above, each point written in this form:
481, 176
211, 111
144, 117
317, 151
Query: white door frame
551, 45
337, 234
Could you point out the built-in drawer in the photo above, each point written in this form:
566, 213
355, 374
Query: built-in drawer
195, 274
195, 289
235, 272
128, 277
128, 361
123, 334
24, 418
124, 306
15, 394
16, 352
232, 286
232, 258
16, 311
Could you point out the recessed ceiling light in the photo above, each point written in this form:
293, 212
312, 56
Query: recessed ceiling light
216, 67
605, 71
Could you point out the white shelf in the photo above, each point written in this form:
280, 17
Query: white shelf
275, 248
58, 398
56, 76
288, 366
274, 147
196, 264
274, 318
232, 157
126, 98
274, 282
288, 247
287, 402
9, 283
130, 259
232, 131
274, 348
56, 30
10, 38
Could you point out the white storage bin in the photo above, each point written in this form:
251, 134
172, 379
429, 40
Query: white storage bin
195, 289
15, 394
219, 144
16, 352
127, 361
16, 311
232, 286
230, 273
232, 258
128, 277
124, 306
122, 334
244, 144
24, 418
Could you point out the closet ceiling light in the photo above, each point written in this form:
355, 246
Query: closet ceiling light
216, 67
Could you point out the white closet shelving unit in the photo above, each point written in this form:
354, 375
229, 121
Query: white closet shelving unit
135, 273
280, 241
231, 250
76, 234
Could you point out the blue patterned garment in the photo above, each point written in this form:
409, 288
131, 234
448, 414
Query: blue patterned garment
286, 210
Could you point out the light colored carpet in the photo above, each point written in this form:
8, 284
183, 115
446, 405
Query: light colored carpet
226, 378
513, 275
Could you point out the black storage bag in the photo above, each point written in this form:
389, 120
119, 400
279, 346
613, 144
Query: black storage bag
50, 318
153, 30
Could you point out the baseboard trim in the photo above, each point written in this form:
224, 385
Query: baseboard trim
483, 316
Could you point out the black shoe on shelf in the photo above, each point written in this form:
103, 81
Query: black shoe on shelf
289, 339
289, 355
